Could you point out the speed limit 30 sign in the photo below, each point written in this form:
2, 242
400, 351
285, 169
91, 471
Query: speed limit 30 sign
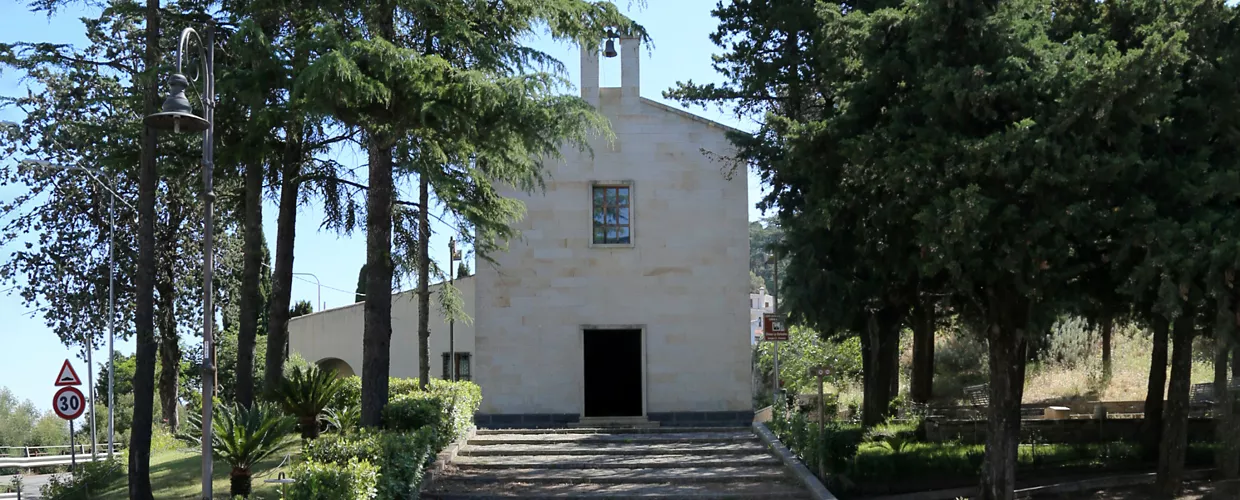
69, 403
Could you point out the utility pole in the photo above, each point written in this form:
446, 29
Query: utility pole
775, 300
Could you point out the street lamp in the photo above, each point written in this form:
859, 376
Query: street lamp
453, 256
178, 116
94, 175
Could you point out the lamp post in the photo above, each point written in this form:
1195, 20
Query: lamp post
317, 283
178, 116
94, 175
453, 256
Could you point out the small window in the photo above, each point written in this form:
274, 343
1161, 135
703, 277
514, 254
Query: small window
462, 366
611, 215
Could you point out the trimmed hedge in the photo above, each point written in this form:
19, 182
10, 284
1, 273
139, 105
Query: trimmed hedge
353, 480
400, 457
350, 393
447, 407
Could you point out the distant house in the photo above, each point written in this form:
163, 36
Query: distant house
619, 300
759, 303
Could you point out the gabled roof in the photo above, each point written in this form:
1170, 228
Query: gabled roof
685, 114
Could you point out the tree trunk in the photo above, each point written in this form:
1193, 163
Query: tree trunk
424, 282
286, 236
1235, 357
1227, 457
251, 275
239, 482
1175, 425
144, 318
1152, 424
1108, 326
169, 351
309, 426
1008, 352
877, 346
922, 383
377, 331
166, 307
282, 272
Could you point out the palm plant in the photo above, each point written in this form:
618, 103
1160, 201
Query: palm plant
245, 436
343, 420
305, 393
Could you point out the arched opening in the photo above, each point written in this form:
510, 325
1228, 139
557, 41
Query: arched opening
342, 369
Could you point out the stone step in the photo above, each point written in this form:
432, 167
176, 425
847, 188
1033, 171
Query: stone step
613, 461
621, 476
747, 447
678, 437
740, 490
612, 430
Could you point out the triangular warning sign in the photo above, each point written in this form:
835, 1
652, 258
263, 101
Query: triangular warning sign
67, 375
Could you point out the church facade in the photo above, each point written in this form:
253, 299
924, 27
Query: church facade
622, 298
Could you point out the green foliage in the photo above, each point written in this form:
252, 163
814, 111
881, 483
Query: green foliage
447, 407
354, 480
343, 420
305, 393
226, 353
400, 457
763, 236
833, 449
91, 479
21, 424
242, 437
301, 308
806, 348
296, 362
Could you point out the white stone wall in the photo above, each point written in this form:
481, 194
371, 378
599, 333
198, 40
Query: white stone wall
683, 279
337, 333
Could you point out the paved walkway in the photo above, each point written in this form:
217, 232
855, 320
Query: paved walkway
616, 463
30, 484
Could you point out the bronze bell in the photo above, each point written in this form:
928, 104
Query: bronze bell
610, 49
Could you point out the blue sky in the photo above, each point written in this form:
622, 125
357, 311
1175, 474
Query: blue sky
31, 355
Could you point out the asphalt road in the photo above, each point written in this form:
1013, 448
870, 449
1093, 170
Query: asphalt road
30, 484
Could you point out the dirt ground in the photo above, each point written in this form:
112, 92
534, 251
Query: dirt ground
1202, 490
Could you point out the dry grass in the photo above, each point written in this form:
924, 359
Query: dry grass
1130, 374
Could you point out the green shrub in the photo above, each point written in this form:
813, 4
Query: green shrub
343, 420
350, 392
305, 393
448, 407
401, 457
243, 437
353, 480
90, 479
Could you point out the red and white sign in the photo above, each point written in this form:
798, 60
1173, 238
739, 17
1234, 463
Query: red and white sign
67, 376
773, 327
69, 403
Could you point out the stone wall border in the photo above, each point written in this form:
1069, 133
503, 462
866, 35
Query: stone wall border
802, 473
446, 456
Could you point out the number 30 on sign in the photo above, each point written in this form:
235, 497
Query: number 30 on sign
69, 403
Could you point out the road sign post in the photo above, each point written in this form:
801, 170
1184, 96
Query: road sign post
774, 328
69, 403
820, 372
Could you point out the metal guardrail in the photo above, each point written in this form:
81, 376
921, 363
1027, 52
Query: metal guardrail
41, 456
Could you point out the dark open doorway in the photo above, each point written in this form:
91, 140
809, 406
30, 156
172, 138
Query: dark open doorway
613, 373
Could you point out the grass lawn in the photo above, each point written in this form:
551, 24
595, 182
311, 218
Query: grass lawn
177, 474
